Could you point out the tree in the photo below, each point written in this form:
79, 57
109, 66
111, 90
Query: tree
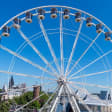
43, 98
0, 90
20, 100
28, 96
23, 99
4, 107
0, 95
34, 105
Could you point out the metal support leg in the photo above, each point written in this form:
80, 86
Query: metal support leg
57, 98
72, 100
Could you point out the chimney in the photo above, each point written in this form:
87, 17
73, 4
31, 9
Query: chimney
36, 90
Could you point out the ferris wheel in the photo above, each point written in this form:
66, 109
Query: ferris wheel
66, 50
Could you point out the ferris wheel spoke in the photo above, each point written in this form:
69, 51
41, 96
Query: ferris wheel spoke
61, 44
31, 100
36, 50
81, 101
92, 47
73, 48
49, 45
97, 59
27, 75
25, 60
91, 44
91, 74
19, 74
20, 49
91, 85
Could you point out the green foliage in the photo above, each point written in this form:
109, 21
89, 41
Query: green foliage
11, 102
26, 97
34, 105
4, 107
0, 90
23, 99
0, 96
43, 98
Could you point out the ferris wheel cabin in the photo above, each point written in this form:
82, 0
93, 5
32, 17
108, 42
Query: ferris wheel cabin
6, 31
78, 17
16, 23
53, 13
99, 28
41, 13
28, 17
66, 14
89, 21
107, 36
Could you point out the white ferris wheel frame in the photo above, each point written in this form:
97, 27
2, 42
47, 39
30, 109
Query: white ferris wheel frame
62, 83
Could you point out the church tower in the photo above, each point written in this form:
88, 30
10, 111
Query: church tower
11, 82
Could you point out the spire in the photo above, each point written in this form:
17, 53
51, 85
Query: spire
11, 82
4, 89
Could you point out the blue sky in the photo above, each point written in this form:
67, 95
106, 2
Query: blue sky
99, 8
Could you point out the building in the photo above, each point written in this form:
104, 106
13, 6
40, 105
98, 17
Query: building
4, 95
13, 90
36, 91
11, 82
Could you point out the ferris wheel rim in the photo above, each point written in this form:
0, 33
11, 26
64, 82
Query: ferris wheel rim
59, 6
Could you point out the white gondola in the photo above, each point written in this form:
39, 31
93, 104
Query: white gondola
6, 31
89, 21
78, 17
99, 28
41, 13
107, 36
53, 13
66, 14
28, 18
16, 23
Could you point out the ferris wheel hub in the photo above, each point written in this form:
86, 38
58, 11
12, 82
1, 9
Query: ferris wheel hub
62, 80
